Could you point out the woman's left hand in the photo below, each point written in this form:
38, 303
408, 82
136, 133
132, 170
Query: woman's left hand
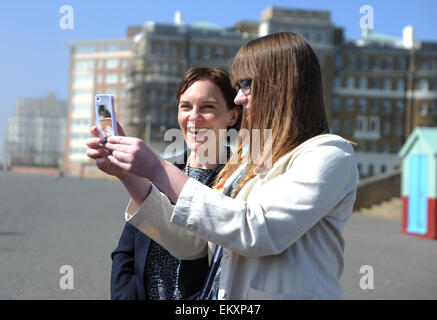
133, 155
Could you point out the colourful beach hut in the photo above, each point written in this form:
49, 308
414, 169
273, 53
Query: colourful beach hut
419, 183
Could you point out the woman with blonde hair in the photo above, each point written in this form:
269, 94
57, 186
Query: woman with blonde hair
274, 228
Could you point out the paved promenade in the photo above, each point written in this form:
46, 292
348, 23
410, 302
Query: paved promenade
47, 223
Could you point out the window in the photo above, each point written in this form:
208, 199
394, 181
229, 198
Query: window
113, 47
374, 84
400, 106
374, 108
386, 106
84, 78
338, 61
364, 63
172, 50
399, 129
219, 53
154, 114
163, 116
320, 37
423, 85
386, 127
111, 78
388, 63
335, 126
351, 63
362, 104
348, 126
400, 85
351, 82
232, 52
82, 94
174, 69
402, 64
363, 83
112, 63
350, 105
81, 122
376, 63
156, 49
336, 104
84, 64
361, 124
387, 84
206, 52
78, 107
111, 91
153, 94
164, 67
423, 109
337, 82
85, 49
156, 67
193, 52
163, 95
373, 124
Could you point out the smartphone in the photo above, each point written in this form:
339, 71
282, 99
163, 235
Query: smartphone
105, 116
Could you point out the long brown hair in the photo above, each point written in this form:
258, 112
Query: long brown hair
286, 97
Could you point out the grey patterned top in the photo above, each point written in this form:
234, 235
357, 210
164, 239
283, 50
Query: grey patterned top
161, 272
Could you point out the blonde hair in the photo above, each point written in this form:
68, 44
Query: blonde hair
286, 97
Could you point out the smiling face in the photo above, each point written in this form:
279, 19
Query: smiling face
203, 111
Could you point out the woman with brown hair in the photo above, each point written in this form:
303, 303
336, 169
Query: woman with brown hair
278, 217
141, 268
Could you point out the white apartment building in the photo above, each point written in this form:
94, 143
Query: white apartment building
96, 66
36, 132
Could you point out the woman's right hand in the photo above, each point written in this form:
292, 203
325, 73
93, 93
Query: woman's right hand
100, 153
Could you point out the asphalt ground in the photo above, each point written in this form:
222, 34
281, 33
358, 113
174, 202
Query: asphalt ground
47, 223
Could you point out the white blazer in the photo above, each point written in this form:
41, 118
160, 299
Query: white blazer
282, 235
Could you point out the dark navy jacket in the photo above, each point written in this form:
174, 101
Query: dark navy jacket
129, 261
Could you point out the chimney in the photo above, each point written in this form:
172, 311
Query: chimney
179, 18
408, 37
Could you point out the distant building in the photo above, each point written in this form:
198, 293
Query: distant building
36, 132
383, 89
97, 66
162, 54
377, 88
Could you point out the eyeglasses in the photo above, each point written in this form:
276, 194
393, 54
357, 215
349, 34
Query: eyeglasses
245, 86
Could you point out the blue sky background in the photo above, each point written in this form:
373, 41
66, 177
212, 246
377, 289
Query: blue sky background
35, 59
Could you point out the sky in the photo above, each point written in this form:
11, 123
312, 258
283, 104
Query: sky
34, 56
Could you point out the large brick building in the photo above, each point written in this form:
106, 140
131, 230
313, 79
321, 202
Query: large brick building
377, 88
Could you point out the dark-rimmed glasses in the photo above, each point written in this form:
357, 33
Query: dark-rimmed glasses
245, 86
